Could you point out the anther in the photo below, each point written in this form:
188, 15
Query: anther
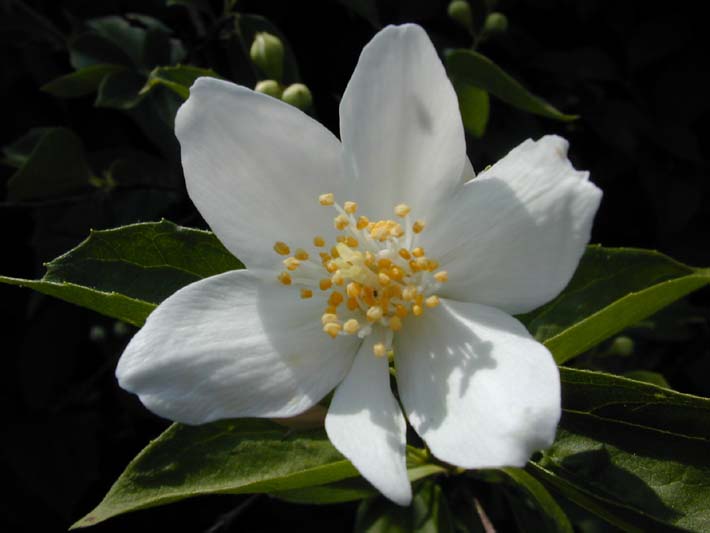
301, 254
379, 350
395, 323
401, 311
284, 278
335, 299
351, 326
402, 210
417, 310
318, 241
418, 226
418, 252
326, 199
432, 301
383, 278
442, 276
362, 222
291, 263
281, 248
374, 313
325, 284
353, 289
350, 207
332, 329
341, 222
352, 304
306, 293
409, 293
328, 317
351, 241
338, 278
404, 254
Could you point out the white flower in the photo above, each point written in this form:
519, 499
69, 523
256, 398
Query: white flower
456, 255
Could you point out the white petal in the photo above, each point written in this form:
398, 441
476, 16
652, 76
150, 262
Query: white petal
468, 173
400, 124
475, 385
513, 236
254, 167
364, 422
233, 346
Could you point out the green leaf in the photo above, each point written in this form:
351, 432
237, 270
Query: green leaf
52, 162
178, 79
226, 457
125, 272
429, 512
555, 519
648, 376
633, 453
472, 68
612, 289
474, 105
82, 82
120, 90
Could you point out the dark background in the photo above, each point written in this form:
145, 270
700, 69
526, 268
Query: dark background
636, 73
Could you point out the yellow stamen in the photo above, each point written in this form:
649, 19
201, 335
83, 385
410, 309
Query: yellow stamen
328, 317
350, 207
351, 326
396, 230
404, 254
301, 254
331, 310
442, 276
306, 293
383, 278
325, 284
331, 266
401, 311
338, 278
318, 241
418, 252
395, 323
384, 263
352, 304
353, 289
326, 199
409, 293
432, 301
332, 329
402, 210
379, 350
351, 241
281, 248
374, 313
418, 226
291, 263
417, 310
396, 273
284, 278
341, 221
335, 299
362, 222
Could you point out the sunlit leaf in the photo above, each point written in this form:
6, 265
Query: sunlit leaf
178, 79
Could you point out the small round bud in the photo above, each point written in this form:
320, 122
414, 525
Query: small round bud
622, 345
460, 11
298, 95
97, 333
495, 23
267, 53
270, 88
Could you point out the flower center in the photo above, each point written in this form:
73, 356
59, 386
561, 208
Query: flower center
374, 275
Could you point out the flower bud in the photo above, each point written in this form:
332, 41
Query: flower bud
298, 95
267, 53
622, 346
495, 23
269, 87
460, 11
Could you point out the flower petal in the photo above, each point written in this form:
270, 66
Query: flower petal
233, 346
364, 422
513, 236
476, 386
254, 167
400, 124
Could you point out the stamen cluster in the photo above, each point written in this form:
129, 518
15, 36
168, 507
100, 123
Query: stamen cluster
374, 274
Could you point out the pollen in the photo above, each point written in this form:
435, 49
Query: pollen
332, 329
326, 199
402, 210
281, 248
372, 273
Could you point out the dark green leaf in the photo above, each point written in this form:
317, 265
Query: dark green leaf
555, 519
120, 90
612, 289
467, 66
474, 105
178, 79
226, 457
82, 82
633, 453
247, 26
648, 376
125, 272
428, 512
116, 30
56, 164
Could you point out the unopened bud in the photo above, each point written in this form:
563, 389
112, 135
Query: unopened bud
495, 23
269, 87
622, 345
267, 53
298, 95
460, 11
